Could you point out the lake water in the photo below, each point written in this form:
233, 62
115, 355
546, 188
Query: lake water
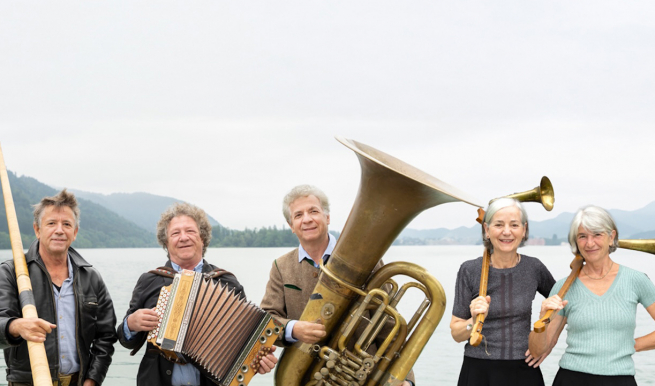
441, 359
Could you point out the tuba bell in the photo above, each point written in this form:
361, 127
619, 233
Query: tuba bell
391, 194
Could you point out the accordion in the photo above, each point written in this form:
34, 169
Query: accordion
203, 322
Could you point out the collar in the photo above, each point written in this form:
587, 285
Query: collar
197, 268
74, 257
302, 254
70, 267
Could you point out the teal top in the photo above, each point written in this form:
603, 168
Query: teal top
600, 329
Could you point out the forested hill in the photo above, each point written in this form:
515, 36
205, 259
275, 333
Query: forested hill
263, 237
99, 227
127, 220
143, 209
124, 220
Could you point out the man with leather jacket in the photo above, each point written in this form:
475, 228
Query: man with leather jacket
71, 300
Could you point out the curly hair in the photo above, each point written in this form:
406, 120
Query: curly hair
61, 200
184, 209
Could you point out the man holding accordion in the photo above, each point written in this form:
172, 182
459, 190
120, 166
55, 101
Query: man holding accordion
184, 232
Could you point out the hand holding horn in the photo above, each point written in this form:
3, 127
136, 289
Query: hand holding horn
576, 266
647, 246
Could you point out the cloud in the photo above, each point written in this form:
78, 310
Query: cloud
230, 105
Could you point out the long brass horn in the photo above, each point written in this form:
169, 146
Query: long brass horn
391, 194
543, 194
639, 245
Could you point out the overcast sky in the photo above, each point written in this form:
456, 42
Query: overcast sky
228, 105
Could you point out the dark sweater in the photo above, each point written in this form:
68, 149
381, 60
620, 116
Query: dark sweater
512, 291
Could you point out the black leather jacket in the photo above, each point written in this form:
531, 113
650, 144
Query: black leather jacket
154, 368
95, 334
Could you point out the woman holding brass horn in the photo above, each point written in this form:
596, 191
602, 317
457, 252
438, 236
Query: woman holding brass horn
514, 280
600, 309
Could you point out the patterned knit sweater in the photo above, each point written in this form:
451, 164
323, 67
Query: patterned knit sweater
512, 291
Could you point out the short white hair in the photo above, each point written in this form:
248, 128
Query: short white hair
304, 191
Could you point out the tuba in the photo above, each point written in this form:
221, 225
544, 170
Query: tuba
391, 194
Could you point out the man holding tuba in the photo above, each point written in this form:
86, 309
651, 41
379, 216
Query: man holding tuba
294, 275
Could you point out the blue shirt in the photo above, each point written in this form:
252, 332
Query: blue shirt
183, 375
303, 255
65, 310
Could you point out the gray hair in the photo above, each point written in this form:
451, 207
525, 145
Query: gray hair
62, 199
183, 209
495, 206
594, 219
304, 191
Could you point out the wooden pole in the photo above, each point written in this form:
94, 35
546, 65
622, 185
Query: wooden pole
37, 354
478, 323
476, 332
576, 266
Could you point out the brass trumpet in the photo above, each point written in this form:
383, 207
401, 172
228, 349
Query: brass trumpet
391, 194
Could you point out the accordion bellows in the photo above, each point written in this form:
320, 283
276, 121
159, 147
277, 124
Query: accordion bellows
203, 322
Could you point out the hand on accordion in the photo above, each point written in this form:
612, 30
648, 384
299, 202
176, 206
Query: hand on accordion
144, 319
267, 363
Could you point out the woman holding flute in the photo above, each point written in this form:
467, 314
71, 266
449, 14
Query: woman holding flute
513, 280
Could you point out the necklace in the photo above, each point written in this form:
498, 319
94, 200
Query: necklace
518, 259
602, 277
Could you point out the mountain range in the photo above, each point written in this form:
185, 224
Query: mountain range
128, 220
636, 224
99, 226
143, 209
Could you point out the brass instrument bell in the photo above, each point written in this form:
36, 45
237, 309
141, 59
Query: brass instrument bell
543, 193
